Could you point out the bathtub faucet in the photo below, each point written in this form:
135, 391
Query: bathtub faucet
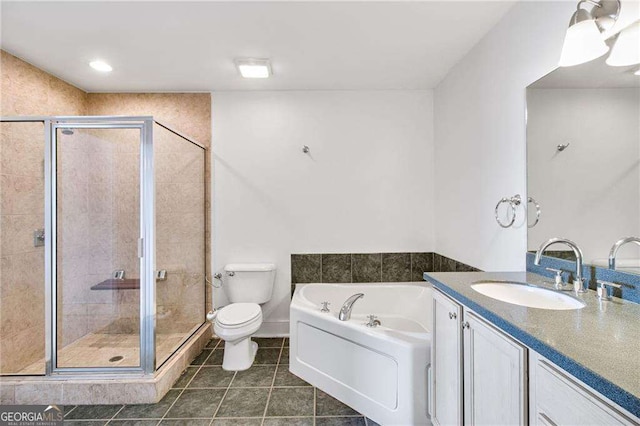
345, 311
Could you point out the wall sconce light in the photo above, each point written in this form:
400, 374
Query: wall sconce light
626, 50
583, 41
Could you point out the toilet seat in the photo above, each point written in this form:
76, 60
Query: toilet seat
238, 315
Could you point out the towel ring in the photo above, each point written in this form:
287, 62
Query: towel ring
513, 203
538, 211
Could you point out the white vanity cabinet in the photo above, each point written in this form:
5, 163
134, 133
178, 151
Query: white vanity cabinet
482, 376
492, 366
559, 399
446, 361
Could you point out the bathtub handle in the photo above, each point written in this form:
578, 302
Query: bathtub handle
453, 315
325, 307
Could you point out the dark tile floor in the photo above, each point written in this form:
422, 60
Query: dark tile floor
266, 394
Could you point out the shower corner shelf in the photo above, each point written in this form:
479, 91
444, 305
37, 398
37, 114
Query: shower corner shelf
117, 284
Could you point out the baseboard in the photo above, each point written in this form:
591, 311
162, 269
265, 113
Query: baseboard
277, 328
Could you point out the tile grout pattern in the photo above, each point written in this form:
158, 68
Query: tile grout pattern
369, 267
266, 394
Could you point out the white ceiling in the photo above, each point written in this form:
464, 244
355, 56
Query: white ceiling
190, 46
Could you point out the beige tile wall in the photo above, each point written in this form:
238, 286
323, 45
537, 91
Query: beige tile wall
178, 175
26, 90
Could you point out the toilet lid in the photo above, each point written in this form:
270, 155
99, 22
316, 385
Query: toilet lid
238, 313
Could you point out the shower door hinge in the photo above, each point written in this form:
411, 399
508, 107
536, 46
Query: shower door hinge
141, 247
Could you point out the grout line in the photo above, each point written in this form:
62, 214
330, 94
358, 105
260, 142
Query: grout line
315, 403
185, 387
410, 266
70, 411
223, 397
273, 381
114, 415
351, 267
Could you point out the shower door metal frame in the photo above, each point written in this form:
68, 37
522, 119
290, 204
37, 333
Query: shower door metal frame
146, 241
147, 234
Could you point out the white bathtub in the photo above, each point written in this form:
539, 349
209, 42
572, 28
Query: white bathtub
380, 372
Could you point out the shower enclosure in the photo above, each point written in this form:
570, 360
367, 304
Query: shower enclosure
102, 229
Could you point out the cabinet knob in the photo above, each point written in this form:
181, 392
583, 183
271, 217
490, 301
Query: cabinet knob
465, 325
453, 315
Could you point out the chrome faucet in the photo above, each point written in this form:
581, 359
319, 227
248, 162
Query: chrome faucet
578, 283
616, 247
345, 311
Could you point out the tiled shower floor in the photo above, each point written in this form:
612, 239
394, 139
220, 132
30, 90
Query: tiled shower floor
96, 349
266, 394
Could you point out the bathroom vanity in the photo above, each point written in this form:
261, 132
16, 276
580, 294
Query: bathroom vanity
495, 362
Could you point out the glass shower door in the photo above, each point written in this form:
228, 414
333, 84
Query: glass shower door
180, 239
99, 265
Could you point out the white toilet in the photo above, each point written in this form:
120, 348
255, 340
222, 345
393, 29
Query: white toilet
247, 285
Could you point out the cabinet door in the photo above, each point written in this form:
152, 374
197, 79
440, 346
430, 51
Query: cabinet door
557, 398
446, 361
495, 375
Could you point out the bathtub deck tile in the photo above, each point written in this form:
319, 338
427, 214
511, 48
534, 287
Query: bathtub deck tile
336, 268
306, 268
396, 267
366, 268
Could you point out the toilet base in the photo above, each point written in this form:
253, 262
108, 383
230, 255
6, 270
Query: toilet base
239, 355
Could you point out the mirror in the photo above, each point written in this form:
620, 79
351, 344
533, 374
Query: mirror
583, 161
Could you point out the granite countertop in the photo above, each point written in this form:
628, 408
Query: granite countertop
599, 344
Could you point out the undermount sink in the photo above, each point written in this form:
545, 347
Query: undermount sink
524, 294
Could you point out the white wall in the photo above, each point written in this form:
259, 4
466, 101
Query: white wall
480, 134
590, 192
367, 185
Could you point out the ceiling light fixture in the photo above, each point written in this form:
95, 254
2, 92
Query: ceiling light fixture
626, 50
583, 41
254, 68
101, 66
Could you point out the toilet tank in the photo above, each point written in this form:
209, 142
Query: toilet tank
249, 282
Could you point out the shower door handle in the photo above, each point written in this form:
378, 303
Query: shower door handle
140, 247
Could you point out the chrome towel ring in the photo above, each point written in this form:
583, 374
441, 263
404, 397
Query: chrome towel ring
538, 211
513, 202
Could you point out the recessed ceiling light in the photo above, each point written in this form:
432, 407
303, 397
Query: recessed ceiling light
254, 68
100, 66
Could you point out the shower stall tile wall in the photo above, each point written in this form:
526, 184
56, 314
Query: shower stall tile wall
98, 187
25, 90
